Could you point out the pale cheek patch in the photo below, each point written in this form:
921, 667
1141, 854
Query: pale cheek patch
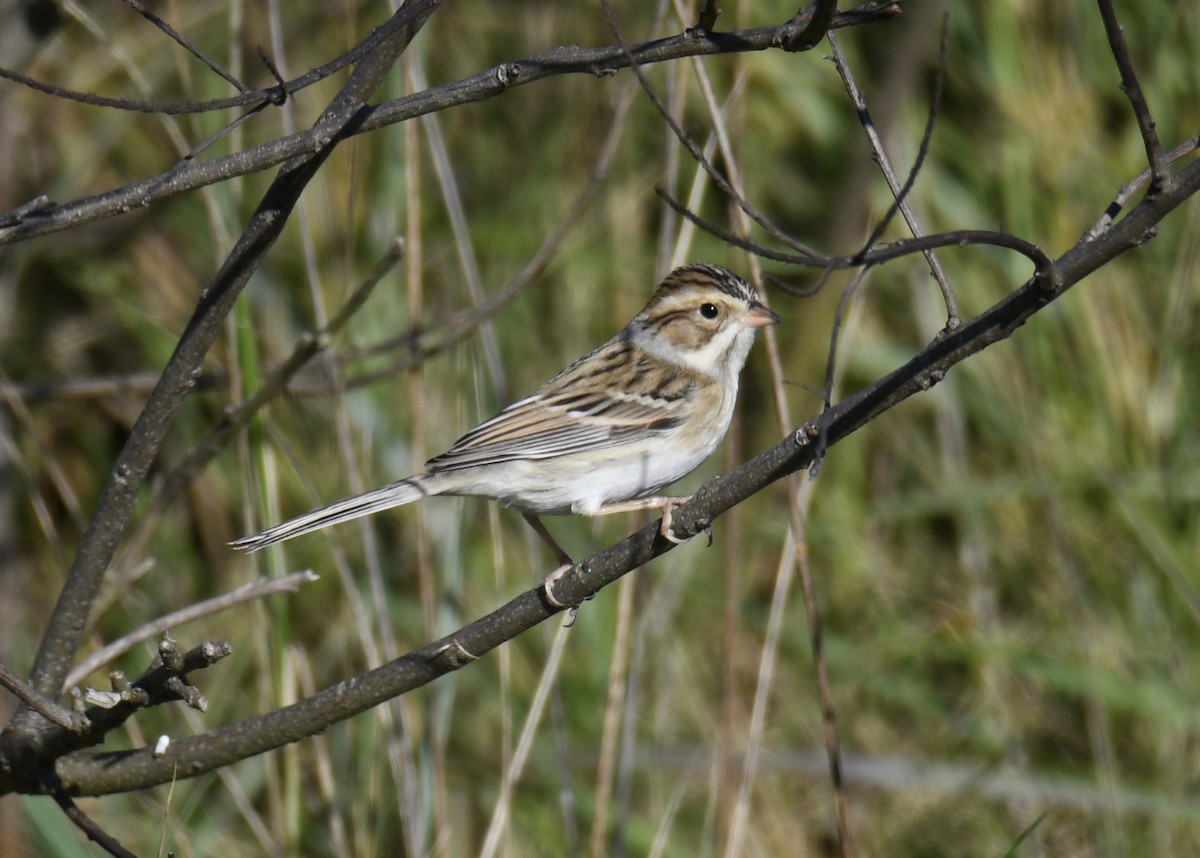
684, 333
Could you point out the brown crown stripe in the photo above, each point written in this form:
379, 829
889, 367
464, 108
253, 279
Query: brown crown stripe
703, 274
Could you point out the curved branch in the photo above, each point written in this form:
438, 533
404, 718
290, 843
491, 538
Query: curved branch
1044, 267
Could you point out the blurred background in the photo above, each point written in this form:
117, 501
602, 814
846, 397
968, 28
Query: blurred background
1006, 566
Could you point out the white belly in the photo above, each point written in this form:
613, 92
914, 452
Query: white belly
582, 483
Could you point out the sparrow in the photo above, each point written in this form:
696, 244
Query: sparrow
606, 434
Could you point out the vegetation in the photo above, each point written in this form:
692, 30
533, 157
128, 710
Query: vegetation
1004, 565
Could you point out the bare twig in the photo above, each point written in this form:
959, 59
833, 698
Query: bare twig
261, 589
1159, 166
116, 502
901, 195
37, 205
1044, 266
799, 497
184, 43
479, 87
833, 745
839, 319
53, 713
707, 19
260, 97
82, 821
885, 164
631, 56
28, 748
1127, 192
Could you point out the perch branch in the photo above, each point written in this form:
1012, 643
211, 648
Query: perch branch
92, 773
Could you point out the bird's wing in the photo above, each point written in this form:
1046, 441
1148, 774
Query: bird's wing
613, 396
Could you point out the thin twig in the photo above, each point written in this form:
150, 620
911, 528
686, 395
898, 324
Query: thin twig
1044, 266
184, 43
261, 589
799, 497
885, 165
53, 713
1159, 166
839, 319
833, 750
707, 19
833, 745
82, 821
38, 205
635, 62
901, 195
204, 145
261, 97
484, 85
1129, 190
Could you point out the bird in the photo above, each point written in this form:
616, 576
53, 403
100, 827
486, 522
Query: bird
607, 433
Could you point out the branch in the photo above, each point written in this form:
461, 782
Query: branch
192, 49
116, 503
1133, 91
23, 754
900, 194
48, 218
257, 98
1044, 266
1127, 191
635, 63
238, 415
47, 708
263, 588
820, 19
82, 821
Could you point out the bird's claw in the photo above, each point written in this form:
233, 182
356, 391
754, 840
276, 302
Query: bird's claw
551, 581
665, 528
548, 585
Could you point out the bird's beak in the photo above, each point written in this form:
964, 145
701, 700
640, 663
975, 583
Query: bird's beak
759, 316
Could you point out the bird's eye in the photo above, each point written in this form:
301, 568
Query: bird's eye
709, 311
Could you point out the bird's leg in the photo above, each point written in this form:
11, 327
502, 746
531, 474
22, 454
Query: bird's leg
566, 564
540, 529
665, 504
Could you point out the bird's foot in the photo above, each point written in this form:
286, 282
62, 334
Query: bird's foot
664, 529
552, 581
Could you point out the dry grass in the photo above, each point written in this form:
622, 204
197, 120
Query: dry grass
1006, 565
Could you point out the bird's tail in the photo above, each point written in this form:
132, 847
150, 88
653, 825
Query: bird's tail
393, 494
